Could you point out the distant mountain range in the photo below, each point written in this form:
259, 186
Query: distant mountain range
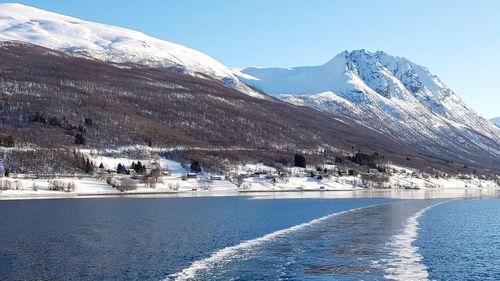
137, 88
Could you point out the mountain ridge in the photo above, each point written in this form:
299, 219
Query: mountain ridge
108, 43
384, 100
48, 98
391, 94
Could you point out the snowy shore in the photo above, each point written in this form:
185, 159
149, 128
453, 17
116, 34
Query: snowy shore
93, 188
254, 180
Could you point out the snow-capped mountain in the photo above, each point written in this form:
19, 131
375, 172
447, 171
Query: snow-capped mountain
496, 121
390, 94
107, 43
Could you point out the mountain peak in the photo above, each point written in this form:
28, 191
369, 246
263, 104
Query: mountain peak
353, 53
390, 93
363, 52
360, 52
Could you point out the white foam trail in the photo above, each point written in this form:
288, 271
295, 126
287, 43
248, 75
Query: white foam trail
406, 261
225, 255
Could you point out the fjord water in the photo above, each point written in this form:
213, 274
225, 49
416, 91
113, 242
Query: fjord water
461, 240
236, 238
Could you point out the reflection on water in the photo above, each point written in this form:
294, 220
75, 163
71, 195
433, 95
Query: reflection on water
427, 193
387, 193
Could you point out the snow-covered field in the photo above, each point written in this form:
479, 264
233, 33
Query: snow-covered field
23, 187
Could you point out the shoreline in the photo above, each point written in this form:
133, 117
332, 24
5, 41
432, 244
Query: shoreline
442, 193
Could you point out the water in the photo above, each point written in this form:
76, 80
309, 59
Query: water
235, 238
461, 240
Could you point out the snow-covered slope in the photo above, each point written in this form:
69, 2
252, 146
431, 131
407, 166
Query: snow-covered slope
390, 94
108, 43
496, 121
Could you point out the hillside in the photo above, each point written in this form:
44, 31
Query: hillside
130, 104
69, 83
108, 43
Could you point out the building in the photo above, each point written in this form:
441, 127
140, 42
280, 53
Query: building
132, 172
216, 177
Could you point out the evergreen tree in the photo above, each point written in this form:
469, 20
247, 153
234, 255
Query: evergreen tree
79, 139
101, 166
80, 128
88, 122
53, 121
39, 118
120, 169
7, 140
139, 168
89, 166
195, 166
299, 160
149, 141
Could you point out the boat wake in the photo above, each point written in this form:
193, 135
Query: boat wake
226, 255
405, 262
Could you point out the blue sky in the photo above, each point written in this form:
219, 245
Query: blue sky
457, 40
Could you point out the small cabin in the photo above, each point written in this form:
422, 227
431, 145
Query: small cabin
343, 173
191, 175
310, 171
216, 177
